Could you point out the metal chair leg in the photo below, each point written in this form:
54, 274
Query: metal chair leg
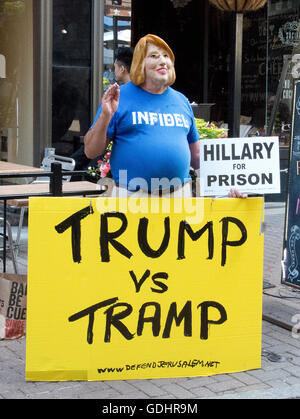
20, 226
11, 246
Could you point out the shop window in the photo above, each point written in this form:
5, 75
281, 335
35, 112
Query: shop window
283, 48
271, 65
16, 81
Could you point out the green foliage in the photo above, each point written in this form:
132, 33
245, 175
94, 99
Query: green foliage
209, 130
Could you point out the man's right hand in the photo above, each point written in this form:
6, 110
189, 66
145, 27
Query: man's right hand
95, 140
110, 100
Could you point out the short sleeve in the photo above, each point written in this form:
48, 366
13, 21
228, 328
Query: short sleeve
96, 117
193, 134
112, 125
111, 130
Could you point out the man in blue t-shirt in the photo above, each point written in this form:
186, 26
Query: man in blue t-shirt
152, 126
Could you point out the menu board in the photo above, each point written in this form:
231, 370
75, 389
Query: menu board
291, 263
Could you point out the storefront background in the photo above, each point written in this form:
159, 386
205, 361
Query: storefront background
199, 35
72, 86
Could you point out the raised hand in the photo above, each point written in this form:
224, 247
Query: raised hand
95, 140
110, 100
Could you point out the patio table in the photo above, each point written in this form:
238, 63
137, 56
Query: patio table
19, 194
7, 167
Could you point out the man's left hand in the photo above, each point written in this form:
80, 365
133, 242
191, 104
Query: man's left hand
234, 193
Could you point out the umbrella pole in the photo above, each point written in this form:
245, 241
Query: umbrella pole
235, 74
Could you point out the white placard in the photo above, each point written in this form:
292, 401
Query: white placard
249, 164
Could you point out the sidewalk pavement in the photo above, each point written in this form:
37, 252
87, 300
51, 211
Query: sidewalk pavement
278, 378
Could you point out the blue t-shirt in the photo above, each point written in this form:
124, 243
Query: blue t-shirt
151, 134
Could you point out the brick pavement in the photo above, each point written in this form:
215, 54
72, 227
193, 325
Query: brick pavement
276, 379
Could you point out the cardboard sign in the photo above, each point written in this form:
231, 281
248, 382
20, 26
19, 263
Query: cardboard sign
118, 290
250, 165
13, 295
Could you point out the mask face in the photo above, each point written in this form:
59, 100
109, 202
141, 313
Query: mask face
157, 65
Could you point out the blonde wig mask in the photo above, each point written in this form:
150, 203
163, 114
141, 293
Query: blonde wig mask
137, 74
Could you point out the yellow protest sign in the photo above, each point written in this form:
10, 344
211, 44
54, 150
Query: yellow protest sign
143, 288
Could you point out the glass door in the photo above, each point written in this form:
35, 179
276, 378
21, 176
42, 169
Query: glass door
71, 74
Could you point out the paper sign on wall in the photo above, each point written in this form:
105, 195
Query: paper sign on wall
121, 289
250, 165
